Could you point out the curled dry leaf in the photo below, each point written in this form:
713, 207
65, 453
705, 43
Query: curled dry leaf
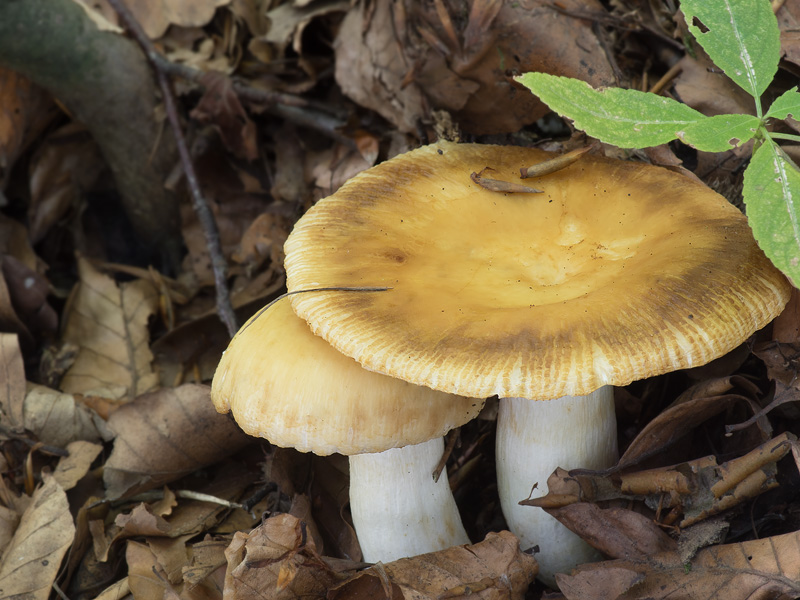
108, 322
71, 469
146, 577
31, 561
165, 435
56, 419
765, 569
12, 372
492, 569
279, 560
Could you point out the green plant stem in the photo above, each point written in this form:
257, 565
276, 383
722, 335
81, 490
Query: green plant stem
785, 136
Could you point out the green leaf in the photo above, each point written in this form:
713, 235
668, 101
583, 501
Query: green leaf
625, 118
772, 195
786, 105
741, 37
720, 133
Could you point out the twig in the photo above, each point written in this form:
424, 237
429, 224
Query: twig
204, 215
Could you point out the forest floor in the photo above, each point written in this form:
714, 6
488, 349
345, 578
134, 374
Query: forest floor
119, 477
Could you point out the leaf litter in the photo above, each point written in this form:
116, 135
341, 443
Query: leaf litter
118, 478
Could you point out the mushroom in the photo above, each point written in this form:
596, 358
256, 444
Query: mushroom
617, 272
289, 386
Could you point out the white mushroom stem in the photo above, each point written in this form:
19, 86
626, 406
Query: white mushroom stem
398, 510
535, 437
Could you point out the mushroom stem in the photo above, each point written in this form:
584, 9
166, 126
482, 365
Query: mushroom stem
535, 437
398, 510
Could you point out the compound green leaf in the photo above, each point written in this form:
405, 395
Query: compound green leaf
625, 118
740, 36
720, 133
786, 105
772, 195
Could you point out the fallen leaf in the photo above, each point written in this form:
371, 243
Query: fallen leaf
616, 532
278, 560
9, 521
155, 16
64, 166
72, 468
146, 577
220, 106
32, 560
766, 569
165, 435
403, 60
12, 373
493, 569
140, 521
28, 291
115, 591
696, 405
108, 322
9, 321
56, 419
288, 21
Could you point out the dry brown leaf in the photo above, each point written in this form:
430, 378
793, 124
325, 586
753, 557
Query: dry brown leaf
64, 166
28, 291
767, 569
9, 321
165, 435
155, 16
331, 168
277, 560
404, 59
9, 521
140, 521
14, 241
31, 561
146, 577
56, 419
616, 532
108, 322
12, 374
71, 469
207, 557
696, 405
115, 591
492, 569
288, 21
220, 106
707, 89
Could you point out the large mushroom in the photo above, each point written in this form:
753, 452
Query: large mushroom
289, 386
617, 272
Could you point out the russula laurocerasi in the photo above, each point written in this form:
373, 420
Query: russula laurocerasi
283, 383
617, 272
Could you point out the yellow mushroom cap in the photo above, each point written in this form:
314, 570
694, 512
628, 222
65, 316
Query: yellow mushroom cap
283, 383
617, 272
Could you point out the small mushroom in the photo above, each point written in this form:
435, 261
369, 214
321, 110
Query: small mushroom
289, 386
617, 272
